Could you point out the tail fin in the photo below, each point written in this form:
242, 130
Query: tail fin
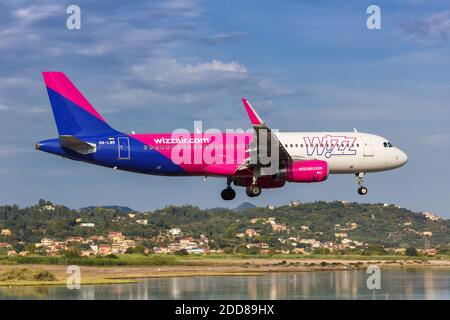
74, 115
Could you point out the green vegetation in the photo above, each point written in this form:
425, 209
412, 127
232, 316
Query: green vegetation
377, 224
110, 260
23, 274
411, 252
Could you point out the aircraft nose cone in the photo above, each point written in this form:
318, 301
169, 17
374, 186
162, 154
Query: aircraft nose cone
401, 158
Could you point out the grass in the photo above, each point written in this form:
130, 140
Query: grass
313, 256
172, 260
119, 260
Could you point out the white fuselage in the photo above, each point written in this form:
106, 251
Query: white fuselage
345, 152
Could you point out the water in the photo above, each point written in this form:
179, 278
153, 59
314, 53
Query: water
411, 283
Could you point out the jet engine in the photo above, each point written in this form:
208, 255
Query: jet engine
305, 171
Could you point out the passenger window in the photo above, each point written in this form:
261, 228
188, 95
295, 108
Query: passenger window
296, 145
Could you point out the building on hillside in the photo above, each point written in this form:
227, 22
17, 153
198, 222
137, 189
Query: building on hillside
47, 208
431, 216
195, 250
294, 203
430, 252
175, 232
6, 232
427, 234
96, 238
87, 253
251, 233
142, 221
298, 251
278, 227
270, 207
87, 225
104, 249
116, 236
75, 239
12, 253
46, 242
341, 235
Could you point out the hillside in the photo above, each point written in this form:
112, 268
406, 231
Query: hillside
368, 223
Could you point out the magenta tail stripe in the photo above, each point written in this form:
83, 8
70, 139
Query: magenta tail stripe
58, 82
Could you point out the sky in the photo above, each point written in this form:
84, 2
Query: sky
154, 66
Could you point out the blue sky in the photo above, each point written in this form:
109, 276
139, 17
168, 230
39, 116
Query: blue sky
153, 66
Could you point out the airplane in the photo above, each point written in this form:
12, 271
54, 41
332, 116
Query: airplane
243, 158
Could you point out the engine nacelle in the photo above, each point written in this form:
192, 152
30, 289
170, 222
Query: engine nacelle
305, 171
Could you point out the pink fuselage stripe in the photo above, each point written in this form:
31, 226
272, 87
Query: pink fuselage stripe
58, 82
226, 160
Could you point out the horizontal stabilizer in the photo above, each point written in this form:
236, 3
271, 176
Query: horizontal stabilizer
77, 145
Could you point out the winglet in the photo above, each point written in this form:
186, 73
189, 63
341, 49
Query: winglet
254, 117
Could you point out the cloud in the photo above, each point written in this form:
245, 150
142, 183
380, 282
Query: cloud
189, 8
169, 79
170, 73
37, 12
223, 37
434, 27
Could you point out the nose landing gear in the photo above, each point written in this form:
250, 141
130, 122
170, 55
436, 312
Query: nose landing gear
359, 179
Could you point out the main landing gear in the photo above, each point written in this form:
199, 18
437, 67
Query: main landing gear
359, 179
253, 190
228, 193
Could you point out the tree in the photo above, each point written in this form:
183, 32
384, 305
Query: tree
182, 252
411, 251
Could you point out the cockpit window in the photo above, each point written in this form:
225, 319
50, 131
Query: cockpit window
387, 144
390, 145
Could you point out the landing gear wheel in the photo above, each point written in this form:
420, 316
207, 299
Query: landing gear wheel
359, 179
253, 190
362, 190
228, 194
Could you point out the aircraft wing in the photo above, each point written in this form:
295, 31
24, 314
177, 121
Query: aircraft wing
262, 132
77, 145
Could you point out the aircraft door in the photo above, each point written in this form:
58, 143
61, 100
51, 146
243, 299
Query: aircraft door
123, 144
367, 146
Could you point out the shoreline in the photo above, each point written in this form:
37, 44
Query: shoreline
98, 275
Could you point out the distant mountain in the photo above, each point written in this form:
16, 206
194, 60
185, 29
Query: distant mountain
121, 209
244, 206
